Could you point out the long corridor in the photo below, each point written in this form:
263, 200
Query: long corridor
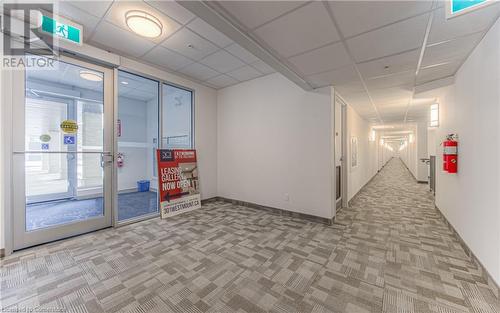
396, 238
389, 252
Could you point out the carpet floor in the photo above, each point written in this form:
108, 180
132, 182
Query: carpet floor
389, 252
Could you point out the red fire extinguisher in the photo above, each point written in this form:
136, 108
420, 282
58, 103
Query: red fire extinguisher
450, 154
119, 159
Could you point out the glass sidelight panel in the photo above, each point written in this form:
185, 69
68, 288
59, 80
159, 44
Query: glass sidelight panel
64, 145
137, 134
177, 118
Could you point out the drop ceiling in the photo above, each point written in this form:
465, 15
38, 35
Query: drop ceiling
373, 52
188, 46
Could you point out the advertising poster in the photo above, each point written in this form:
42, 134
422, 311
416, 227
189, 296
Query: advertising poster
177, 181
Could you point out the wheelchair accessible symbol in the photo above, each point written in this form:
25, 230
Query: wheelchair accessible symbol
69, 140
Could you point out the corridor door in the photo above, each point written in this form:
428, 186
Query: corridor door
62, 151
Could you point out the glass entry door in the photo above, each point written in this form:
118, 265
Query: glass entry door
62, 152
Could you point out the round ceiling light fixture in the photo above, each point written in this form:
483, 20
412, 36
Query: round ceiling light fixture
92, 76
143, 24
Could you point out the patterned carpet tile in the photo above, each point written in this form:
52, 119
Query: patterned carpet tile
388, 252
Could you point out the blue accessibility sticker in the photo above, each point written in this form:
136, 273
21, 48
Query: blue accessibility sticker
69, 139
45, 146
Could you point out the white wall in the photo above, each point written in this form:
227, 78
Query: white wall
274, 145
470, 199
367, 166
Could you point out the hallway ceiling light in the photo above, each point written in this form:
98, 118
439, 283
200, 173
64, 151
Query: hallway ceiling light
92, 76
124, 83
143, 24
383, 127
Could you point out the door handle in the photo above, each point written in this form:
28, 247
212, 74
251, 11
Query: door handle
106, 159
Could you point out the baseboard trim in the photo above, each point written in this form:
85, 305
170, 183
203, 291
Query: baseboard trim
422, 182
277, 211
208, 200
484, 272
366, 184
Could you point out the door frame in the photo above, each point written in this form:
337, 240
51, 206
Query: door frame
21, 238
344, 194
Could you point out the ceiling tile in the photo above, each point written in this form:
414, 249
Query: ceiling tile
450, 50
359, 101
222, 61
181, 41
172, 9
475, 21
95, 8
118, 40
406, 61
241, 53
306, 28
400, 94
244, 73
255, 13
436, 72
393, 80
222, 81
263, 67
72, 13
198, 71
403, 36
336, 77
167, 58
208, 32
119, 9
327, 58
350, 88
355, 17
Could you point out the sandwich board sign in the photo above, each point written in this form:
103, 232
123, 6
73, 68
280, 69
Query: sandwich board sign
177, 181
459, 7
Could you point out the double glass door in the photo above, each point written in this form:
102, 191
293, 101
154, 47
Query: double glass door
62, 151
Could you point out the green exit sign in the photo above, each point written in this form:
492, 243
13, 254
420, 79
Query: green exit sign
459, 7
63, 30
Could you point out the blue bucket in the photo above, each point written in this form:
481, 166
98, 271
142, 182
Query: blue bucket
143, 185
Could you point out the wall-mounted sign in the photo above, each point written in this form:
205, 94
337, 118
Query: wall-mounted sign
60, 28
354, 152
177, 181
69, 139
69, 126
459, 7
45, 138
119, 127
45, 146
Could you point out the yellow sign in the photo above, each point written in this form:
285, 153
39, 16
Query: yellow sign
69, 126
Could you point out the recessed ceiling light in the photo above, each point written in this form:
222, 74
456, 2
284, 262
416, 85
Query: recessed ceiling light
124, 83
143, 24
92, 76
